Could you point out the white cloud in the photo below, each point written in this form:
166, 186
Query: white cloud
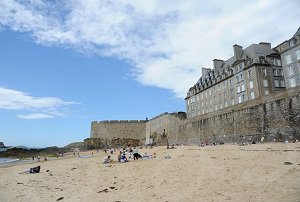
167, 42
34, 116
17, 100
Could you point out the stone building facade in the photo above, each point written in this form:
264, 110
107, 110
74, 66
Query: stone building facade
250, 74
254, 94
290, 54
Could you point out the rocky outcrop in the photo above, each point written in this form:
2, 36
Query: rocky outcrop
2, 145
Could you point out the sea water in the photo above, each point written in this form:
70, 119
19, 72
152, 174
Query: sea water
7, 160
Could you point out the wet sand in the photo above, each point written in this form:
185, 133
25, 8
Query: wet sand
211, 173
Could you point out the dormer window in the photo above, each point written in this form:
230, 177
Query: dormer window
292, 42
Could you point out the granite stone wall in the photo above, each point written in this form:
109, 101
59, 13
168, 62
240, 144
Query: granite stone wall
117, 130
275, 117
163, 129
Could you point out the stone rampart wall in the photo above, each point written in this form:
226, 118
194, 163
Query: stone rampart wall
118, 129
161, 128
274, 117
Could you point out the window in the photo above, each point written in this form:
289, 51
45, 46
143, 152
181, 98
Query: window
276, 62
279, 72
276, 83
250, 73
251, 84
267, 92
225, 93
226, 103
240, 99
243, 87
290, 70
282, 84
230, 82
264, 71
237, 78
232, 102
244, 97
279, 62
266, 83
241, 76
288, 59
238, 89
216, 107
292, 82
188, 102
292, 42
240, 66
252, 95
297, 54
197, 98
221, 105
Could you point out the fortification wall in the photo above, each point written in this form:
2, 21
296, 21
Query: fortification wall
162, 128
134, 129
274, 117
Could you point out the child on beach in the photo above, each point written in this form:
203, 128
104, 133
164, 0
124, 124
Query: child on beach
106, 160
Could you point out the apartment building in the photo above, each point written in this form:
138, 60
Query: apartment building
251, 73
290, 54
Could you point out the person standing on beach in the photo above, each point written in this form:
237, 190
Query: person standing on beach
135, 153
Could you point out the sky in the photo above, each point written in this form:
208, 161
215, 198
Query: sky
64, 64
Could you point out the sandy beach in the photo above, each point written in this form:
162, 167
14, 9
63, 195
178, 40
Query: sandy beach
211, 173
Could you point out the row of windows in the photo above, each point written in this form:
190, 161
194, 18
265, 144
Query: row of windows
241, 98
293, 80
276, 72
288, 57
208, 94
290, 70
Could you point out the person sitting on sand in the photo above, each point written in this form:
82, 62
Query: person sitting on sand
120, 156
106, 159
154, 155
124, 159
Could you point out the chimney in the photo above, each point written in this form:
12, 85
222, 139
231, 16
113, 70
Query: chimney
265, 44
217, 64
205, 72
238, 51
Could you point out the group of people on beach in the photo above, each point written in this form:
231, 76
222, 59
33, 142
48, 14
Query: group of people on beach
126, 155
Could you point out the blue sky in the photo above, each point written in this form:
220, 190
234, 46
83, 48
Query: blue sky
64, 65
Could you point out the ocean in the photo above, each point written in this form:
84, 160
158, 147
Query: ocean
7, 160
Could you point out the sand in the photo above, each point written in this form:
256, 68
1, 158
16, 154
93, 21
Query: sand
211, 173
